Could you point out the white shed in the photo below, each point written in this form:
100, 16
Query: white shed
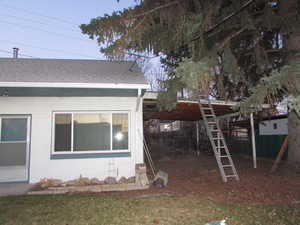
65, 118
275, 125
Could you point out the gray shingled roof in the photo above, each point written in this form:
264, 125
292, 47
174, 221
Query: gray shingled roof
69, 71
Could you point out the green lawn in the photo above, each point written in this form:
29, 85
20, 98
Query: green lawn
111, 209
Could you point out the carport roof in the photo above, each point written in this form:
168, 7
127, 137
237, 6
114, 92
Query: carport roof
185, 110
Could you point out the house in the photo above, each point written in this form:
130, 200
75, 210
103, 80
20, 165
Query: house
63, 118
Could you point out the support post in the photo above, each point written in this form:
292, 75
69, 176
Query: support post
197, 136
138, 101
253, 141
280, 154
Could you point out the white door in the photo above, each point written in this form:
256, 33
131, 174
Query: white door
14, 148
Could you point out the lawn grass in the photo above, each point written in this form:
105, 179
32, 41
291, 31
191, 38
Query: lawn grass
88, 209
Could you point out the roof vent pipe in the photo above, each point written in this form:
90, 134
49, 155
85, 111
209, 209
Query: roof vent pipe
15, 53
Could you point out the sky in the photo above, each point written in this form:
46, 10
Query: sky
49, 28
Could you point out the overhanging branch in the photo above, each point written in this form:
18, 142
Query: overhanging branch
224, 20
155, 9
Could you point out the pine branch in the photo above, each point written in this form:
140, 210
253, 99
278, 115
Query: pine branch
222, 45
140, 56
155, 9
224, 20
198, 5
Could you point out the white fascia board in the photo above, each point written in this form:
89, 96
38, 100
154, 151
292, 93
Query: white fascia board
213, 102
74, 85
220, 102
151, 95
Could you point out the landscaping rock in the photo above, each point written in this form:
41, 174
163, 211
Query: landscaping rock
122, 180
96, 181
45, 183
110, 180
131, 180
56, 183
83, 181
71, 183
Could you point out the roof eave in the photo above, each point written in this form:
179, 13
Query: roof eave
74, 85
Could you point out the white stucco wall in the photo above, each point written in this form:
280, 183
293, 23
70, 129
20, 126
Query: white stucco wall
267, 127
41, 109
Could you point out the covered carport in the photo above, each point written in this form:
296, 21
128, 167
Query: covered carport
190, 111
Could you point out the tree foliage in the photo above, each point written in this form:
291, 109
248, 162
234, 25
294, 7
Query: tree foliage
239, 41
190, 75
271, 89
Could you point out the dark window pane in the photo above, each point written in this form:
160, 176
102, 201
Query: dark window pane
92, 131
63, 126
13, 129
120, 131
12, 154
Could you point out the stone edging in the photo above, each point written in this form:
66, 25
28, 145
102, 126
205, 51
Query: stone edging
89, 188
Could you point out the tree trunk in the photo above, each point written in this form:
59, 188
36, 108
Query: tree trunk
292, 45
294, 137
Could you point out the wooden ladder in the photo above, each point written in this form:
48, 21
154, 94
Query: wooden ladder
218, 143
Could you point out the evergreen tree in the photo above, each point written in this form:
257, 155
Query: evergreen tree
231, 49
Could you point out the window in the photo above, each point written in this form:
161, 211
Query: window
120, 131
14, 140
13, 129
63, 130
275, 126
90, 132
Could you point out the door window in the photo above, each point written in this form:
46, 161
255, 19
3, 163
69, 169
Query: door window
13, 129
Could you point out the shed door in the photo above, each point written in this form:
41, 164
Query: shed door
14, 148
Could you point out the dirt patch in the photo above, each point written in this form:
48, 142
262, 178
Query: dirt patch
200, 177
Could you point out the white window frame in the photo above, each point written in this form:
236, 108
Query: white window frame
72, 133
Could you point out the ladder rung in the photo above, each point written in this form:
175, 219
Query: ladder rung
231, 175
227, 166
211, 120
218, 138
224, 156
207, 108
